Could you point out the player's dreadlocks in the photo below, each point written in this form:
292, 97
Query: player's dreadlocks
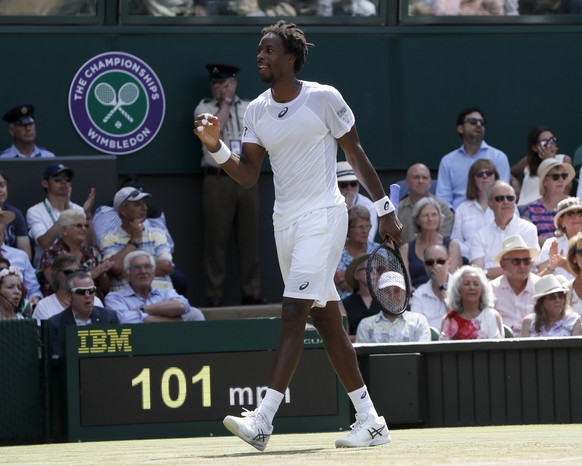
293, 41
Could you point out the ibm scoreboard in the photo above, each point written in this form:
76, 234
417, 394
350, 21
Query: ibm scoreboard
181, 379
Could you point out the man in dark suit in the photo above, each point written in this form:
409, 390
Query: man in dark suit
81, 312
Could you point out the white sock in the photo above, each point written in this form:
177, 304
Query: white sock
270, 404
362, 402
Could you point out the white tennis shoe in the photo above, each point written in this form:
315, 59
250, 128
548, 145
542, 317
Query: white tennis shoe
366, 432
251, 427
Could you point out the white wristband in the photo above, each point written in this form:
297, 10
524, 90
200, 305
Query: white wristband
222, 155
384, 206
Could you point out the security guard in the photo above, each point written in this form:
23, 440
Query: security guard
22, 129
227, 207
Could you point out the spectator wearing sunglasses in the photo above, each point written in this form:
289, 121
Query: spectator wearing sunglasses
133, 234
63, 265
574, 261
418, 181
43, 218
454, 167
73, 230
514, 290
541, 145
349, 186
82, 310
488, 241
555, 177
22, 130
568, 222
429, 298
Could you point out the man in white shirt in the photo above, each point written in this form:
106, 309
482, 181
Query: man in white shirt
488, 242
429, 298
514, 289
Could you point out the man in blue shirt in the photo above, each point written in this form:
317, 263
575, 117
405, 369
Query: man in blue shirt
454, 167
22, 129
138, 302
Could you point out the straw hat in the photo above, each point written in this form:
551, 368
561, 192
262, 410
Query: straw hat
352, 269
546, 285
547, 165
7, 215
391, 279
566, 205
515, 243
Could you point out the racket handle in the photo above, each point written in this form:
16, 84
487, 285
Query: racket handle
395, 195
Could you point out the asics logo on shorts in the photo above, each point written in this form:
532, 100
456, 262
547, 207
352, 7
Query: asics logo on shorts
304, 285
283, 112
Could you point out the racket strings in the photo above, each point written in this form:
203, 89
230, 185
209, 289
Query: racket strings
387, 280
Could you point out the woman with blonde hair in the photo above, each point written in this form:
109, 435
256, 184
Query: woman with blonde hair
13, 302
427, 217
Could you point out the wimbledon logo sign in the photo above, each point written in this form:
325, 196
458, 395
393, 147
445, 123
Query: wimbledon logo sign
116, 103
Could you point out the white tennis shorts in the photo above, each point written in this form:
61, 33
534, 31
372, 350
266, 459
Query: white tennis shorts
309, 251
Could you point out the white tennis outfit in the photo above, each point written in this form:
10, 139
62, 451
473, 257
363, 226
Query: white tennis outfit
309, 215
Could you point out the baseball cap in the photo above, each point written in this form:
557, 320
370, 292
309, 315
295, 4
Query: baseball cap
391, 279
55, 169
128, 194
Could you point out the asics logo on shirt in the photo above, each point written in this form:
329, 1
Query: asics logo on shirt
283, 112
304, 285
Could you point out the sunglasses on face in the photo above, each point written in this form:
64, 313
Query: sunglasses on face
578, 252
509, 198
518, 260
367, 227
68, 272
345, 184
557, 176
482, 173
84, 291
476, 121
556, 296
546, 142
431, 262
573, 213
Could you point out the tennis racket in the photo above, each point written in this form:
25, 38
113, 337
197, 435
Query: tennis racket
386, 273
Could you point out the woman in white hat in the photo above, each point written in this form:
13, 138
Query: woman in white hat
554, 185
470, 300
568, 223
552, 316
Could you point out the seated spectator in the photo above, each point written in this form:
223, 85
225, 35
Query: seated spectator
17, 231
552, 316
574, 263
427, 218
63, 265
474, 213
73, 229
357, 243
106, 220
514, 289
132, 235
13, 302
358, 304
138, 302
429, 298
472, 315
18, 258
488, 241
82, 310
419, 182
349, 186
454, 167
568, 223
541, 145
555, 178
42, 218
388, 328
22, 129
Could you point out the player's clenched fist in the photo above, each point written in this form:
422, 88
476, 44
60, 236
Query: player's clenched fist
207, 128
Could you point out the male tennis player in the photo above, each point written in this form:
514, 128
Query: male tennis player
300, 123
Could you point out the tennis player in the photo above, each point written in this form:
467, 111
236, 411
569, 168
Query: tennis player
300, 123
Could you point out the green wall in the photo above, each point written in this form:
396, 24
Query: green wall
406, 84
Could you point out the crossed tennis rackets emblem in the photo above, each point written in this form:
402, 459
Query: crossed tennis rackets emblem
127, 95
